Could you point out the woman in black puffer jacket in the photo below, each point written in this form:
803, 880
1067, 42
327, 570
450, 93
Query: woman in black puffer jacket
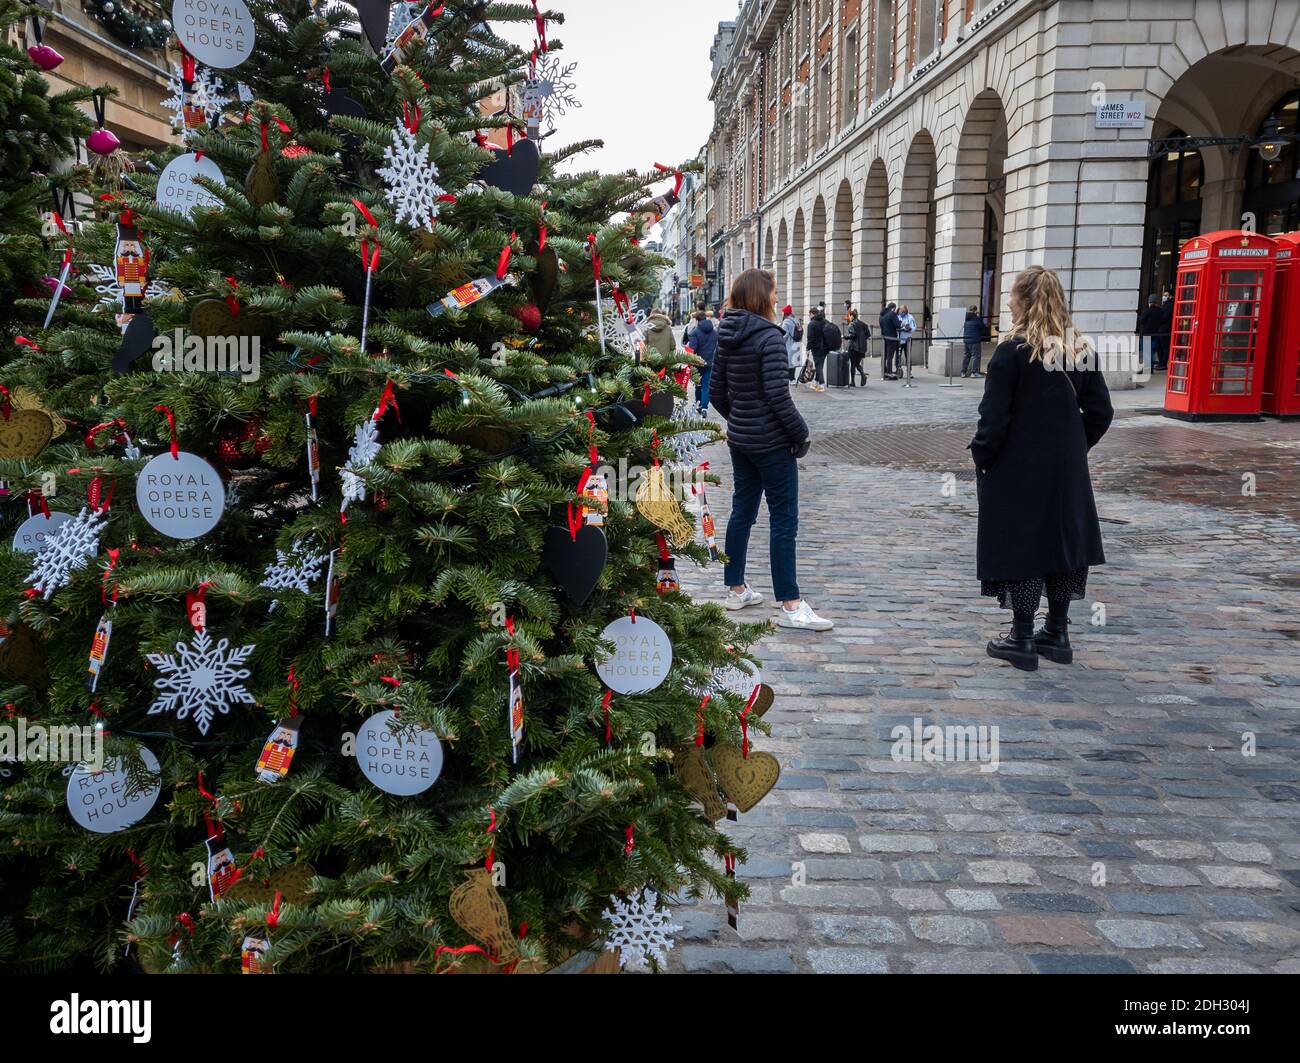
766, 434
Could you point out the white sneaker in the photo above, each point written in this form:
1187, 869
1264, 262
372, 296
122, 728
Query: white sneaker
748, 596
803, 617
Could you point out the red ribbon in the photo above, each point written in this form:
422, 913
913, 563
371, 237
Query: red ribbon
540, 21
140, 870
8, 406
490, 859
541, 228
663, 546
604, 708
595, 256
677, 177
273, 919
325, 79
24, 341
193, 598
411, 116
512, 655
699, 720
744, 722
121, 437
503, 262
592, 455
575, 523
388, 398
631, 842
187, 63
104, 595
232, 299
171, 424
36, 500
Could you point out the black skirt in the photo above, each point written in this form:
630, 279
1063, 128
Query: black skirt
1004, 590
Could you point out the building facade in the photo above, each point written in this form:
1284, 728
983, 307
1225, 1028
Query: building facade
924, 151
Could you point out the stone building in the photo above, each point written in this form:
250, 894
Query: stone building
926, 150
122, 44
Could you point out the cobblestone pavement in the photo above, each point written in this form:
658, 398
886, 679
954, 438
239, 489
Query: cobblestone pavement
1125, 828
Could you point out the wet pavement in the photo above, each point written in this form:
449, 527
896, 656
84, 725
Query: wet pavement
1144, 810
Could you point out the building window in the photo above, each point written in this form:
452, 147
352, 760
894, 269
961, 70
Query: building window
883, 60
849, 63
926, 14
824, 104
1173, 216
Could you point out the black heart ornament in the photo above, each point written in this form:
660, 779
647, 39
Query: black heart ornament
137, 340
514, 171
624, 417
340, 103
576, 562
545, 277
661, 404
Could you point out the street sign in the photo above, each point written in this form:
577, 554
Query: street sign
1130, 114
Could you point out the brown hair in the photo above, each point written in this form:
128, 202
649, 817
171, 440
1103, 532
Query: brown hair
754, 290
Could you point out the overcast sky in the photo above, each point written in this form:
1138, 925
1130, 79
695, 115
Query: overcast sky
643, 77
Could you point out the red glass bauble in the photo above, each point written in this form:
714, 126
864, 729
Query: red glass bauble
230, 445
530, 317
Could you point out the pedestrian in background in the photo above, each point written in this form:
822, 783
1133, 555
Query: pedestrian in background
889, 336
817, 348
705, 345
659, 332
859, 339
972, 336
1040, 415
793, 334
1151, 323
766, 436
906, 326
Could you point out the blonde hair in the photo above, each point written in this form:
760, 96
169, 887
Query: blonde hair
1043, 320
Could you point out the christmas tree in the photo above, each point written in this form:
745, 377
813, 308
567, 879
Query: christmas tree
310, 692
38, 130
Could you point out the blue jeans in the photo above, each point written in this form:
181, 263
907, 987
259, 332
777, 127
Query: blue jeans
773, 473
702, 391
973, 350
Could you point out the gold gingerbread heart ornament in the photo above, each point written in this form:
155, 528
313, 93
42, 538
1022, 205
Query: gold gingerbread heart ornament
25, 433
692, 768
745, 780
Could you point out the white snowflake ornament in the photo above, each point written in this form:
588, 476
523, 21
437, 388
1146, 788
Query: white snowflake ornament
68, 549
640, 930
550, 91
294, 569
205, 99
410, 179
365, 448
618, 328
201, 680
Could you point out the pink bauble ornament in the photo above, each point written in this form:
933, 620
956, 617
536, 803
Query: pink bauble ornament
103, 142
44, 56
53, 284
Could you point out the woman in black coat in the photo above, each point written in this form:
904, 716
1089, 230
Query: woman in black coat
1045, 406
766, 434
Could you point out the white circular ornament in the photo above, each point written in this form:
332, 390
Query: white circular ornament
217, 33
101, 801
182, 497
406, 762
36, 530
176, 188
642, 655
735, 680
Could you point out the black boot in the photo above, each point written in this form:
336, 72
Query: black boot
1052, 640
1017, 647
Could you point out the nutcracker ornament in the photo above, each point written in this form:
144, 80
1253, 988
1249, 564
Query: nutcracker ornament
132, 263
